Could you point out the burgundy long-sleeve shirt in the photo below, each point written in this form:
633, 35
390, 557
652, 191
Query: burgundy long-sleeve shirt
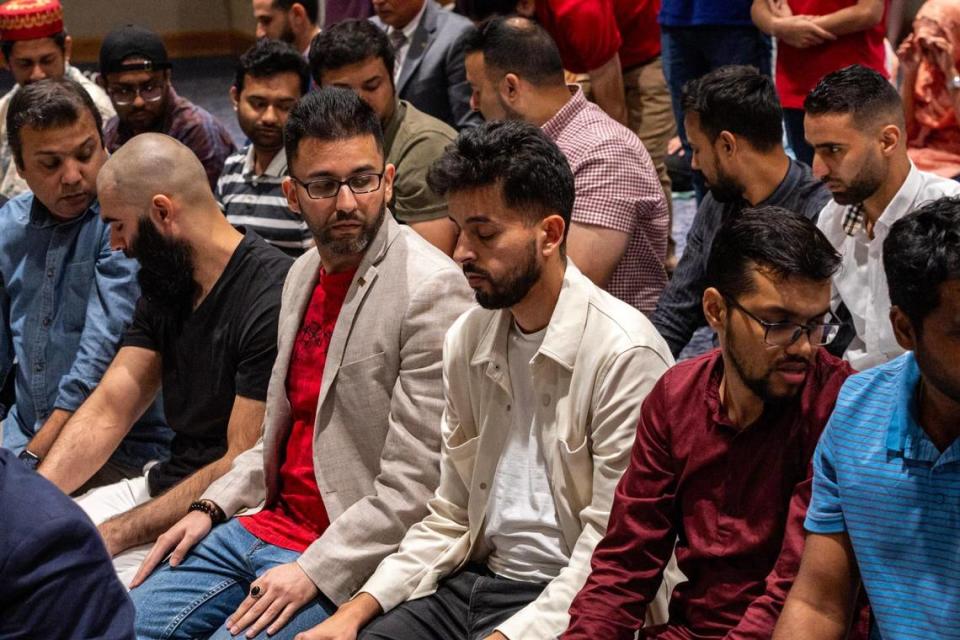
734, 499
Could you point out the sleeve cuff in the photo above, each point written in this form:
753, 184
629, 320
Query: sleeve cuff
824, 525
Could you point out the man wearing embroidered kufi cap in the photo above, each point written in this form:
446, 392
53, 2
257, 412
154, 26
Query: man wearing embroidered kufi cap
36, 46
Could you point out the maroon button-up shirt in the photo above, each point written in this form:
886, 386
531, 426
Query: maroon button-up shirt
734, 499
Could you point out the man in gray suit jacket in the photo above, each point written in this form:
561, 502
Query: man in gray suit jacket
429, 72
349, 454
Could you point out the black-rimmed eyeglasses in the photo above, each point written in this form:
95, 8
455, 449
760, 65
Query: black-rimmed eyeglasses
359, 184
784, 334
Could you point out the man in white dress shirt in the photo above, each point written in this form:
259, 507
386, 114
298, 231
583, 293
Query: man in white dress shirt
854, 121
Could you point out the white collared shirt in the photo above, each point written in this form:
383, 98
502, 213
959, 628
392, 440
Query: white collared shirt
400, 55
861, 283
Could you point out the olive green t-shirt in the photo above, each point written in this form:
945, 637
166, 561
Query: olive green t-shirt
414, 141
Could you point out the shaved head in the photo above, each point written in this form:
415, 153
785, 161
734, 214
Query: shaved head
153, 164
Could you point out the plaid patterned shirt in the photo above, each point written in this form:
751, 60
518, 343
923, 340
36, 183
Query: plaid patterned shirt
853, 219
616, 188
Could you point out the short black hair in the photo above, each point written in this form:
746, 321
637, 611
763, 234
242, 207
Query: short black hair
59, 39
479, 10
312, 7
327, 114
516, 45
349, 42
532, 172
859, 91
771, 239
738, 99
47, 104
921, 252
269, 58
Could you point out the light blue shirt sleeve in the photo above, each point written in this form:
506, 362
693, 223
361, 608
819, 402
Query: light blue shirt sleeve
113, 297
825, 514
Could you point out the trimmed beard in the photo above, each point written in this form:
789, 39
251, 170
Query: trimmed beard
514, 287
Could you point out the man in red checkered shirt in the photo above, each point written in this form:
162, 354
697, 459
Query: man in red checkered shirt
618, 236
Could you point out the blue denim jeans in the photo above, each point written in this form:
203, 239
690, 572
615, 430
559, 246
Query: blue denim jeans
194, 599
691, 52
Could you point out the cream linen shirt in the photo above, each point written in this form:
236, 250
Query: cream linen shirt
11, 184
598, 360
861, 283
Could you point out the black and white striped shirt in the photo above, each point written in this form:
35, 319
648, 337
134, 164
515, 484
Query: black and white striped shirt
257, 202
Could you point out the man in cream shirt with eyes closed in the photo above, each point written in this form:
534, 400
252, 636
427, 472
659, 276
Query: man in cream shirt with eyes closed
543, 387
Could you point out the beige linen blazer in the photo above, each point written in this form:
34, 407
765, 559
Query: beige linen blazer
376, 440
598, 360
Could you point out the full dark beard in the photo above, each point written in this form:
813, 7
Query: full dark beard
166, 272
514, 287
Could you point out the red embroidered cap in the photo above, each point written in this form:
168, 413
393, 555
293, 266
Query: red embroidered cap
30, 19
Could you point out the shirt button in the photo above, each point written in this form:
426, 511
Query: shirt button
46, 322
38, 367
508, 407
483, 486
545, 400
50, 272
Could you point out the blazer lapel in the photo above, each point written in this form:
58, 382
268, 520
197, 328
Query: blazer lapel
359, 288
423, 37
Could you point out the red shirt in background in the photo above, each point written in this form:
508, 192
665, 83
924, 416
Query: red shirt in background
799, 70
299, 517
735, 497
589, 32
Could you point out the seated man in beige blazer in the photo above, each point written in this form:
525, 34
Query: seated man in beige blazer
543, 390
350, 447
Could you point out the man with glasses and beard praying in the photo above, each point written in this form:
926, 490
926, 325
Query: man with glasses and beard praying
351, 439
721, 463
204, 329
734, 124
543, 389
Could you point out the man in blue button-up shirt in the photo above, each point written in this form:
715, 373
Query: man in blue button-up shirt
65, 296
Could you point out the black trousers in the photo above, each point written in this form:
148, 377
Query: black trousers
466, 606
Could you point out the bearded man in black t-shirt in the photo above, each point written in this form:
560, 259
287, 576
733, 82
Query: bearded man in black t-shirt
205, 330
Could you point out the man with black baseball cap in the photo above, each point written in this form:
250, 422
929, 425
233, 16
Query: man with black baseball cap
135, 71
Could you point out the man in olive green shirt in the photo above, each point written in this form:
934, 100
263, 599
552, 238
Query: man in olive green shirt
355, 54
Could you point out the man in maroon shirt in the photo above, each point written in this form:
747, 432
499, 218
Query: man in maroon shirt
721, 463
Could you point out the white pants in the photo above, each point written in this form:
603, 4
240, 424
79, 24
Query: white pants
103, 503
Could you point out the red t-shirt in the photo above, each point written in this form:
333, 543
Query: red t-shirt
589, 32
799, 70
298, 517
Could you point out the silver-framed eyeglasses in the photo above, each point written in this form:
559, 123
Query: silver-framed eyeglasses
323, 188
784, 334
126, 94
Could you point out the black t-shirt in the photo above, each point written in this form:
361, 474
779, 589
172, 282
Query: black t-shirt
225, 348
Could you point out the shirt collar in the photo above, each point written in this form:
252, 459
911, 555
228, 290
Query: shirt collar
564, 332
902, 202
905, 437
577, 103
276, 169
41, 217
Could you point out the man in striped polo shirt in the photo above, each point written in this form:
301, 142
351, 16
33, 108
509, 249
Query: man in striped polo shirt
271, 77
886, 488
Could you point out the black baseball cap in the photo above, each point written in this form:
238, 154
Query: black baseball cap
131, 41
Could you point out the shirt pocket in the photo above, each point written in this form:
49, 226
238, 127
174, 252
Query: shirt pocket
460, 448
363, 390
77, 284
